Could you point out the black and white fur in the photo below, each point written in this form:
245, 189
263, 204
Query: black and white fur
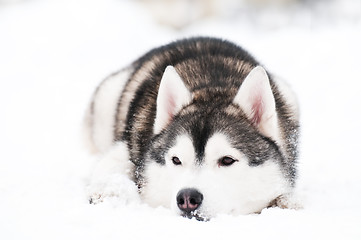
200, 127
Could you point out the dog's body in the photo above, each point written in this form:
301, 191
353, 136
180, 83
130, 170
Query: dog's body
207, 130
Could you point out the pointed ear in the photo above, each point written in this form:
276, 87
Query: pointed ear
172, 96
256, 99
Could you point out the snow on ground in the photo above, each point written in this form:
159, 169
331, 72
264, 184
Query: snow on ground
54, 53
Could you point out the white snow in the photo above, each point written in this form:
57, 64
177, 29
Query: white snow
54, 53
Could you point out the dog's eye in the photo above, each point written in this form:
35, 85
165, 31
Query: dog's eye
226, 161
176, 161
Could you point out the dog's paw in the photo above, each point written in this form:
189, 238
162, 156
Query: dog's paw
287, 201
95, 198
115, 186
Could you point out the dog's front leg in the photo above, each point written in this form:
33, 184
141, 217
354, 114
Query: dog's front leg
111, 177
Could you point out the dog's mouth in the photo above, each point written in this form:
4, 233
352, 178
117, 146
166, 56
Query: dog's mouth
199, 216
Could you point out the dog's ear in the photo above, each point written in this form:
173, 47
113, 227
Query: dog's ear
172, 96
256, 99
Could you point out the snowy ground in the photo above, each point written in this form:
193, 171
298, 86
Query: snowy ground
54, 53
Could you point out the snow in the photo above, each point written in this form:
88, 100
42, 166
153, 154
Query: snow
54, 53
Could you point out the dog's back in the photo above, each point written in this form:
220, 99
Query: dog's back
123, 106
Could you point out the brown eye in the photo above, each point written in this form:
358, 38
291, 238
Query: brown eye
226, 161
176, 161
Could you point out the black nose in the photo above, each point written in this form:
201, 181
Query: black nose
189, 199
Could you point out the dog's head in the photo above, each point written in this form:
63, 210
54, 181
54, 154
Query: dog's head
215, 152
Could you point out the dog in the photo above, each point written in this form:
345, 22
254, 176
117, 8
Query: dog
200, 127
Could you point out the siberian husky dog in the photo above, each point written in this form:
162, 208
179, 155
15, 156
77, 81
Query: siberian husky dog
200, 127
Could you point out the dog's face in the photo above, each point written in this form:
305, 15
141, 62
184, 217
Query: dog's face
202, 169
206, 160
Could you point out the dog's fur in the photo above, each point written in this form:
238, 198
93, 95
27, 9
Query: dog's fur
199, 114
